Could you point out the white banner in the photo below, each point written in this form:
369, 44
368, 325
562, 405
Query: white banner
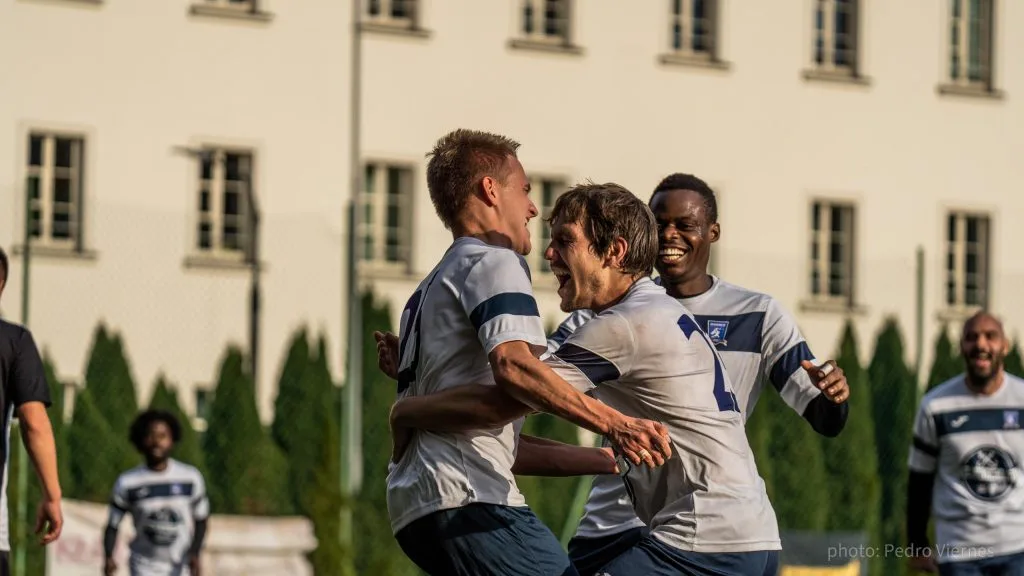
235, 545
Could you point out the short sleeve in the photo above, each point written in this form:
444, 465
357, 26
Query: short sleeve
200, 500
28, 379
599, 351
784, 348
567, 327
118, 503
924, 449
498, 298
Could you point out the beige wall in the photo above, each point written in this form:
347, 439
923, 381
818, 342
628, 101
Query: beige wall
138, 78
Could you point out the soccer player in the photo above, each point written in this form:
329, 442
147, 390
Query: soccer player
965, 463
757, 339
23, 388
452, 496
644, 354
167, 500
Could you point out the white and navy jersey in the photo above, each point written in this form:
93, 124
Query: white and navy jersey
478, 297
164, 506
22, 379
974, 444
648, 358
759, 342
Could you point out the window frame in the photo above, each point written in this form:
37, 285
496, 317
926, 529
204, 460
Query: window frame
828, 33
45, 174
540, 231
217, 192
960, 47
822, 265
378, 228
957, 249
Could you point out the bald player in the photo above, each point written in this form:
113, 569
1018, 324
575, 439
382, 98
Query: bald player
965, 464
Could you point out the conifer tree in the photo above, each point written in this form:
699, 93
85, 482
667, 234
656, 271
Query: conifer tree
248, 472
798, 470
376, 551
1013, 363
946, 364
894, 403
98, 454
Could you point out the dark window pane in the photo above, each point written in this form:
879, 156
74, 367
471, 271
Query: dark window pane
204, 200
232, 204
374, 7
61, 225
35, 151
206, 167
972, 229
837, 219
394, 216
62, 190
950, 293
370, 178
63, 150
951, 226
816, 216
368, 247
32, 187
205, 237
528, 17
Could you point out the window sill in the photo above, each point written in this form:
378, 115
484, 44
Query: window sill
693, 61
970, 91
832, 307
835, 76
91, 4
232, 13
55, 252
212, 262
956, 313
543, 46
398, 29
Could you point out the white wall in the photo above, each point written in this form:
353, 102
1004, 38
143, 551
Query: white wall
139, 78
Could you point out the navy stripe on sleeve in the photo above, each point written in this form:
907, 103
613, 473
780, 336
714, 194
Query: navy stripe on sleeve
593, 366
788, 364
561, 335
925, 447
513, 303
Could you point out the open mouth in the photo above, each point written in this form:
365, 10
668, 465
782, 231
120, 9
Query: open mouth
672, 255
562, 276
981, 360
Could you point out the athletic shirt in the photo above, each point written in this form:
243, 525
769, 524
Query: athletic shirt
759, 343
974, 444
648, 358
164, 506
477, 297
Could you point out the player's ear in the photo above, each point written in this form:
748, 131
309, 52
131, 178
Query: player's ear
617, 252
714, 232
489, 190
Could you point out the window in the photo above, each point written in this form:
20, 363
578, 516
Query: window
835, 36
385, 219
54, 186
967, 260
398, 13
832, 251
694, 23
546, 21
225, 186
970, 43
545, 192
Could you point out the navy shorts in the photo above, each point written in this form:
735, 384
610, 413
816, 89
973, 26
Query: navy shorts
1006, 565
589, 554
484, 540
652, 558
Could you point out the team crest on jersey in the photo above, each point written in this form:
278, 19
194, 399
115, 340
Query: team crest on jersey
1011, 419
989, 472
717, 330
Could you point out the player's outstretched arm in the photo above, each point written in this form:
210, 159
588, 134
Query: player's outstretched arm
544, 457
457, 409
919, 505
37, 435
532, 382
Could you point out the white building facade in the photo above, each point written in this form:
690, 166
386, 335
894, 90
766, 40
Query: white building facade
841, 136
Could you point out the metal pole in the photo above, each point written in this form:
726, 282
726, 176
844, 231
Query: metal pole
351, 405
19, 551
919, 320
254, 289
